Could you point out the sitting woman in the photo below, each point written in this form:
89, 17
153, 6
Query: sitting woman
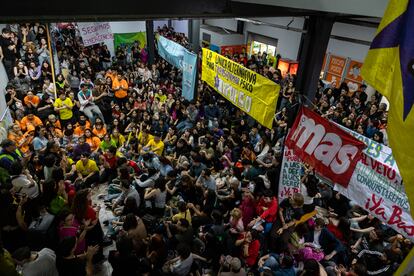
135, 228
249, 247
155, 197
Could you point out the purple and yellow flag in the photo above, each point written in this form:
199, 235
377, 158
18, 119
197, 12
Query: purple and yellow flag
389, 68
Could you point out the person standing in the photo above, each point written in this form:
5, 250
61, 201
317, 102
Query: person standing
8, 52
120, 88
64, 106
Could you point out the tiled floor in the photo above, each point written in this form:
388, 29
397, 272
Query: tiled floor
105, 269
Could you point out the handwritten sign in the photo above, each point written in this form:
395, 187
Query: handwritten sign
95, 32
376, 185
290, 175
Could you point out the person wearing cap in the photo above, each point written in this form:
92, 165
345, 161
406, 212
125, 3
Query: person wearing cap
156, 145
9, 154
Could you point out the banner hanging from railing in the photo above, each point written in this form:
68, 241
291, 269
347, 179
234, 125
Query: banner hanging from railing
184, 60
251, 92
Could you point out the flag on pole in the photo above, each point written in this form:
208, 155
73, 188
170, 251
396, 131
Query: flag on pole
389, 68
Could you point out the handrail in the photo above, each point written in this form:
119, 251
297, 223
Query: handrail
4, 114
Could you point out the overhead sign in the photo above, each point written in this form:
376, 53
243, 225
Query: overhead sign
251, 92
323, 145
184, 60
95, 32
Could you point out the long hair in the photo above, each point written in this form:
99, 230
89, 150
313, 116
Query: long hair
80, 204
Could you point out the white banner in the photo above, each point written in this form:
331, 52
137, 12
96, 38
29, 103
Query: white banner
95, 32
376, 185
290, 174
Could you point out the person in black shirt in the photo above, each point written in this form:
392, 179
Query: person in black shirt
69, 264
8, 49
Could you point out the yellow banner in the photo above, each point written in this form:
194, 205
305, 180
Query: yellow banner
249, 91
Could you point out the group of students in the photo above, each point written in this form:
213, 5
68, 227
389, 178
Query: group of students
191, 185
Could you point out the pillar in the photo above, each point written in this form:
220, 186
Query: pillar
194, 34
149, 26
311, 54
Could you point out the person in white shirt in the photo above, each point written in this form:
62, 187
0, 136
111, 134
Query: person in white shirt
36, 263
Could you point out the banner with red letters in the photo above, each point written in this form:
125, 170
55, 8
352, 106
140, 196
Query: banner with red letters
326, 147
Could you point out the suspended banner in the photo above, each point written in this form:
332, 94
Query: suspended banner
331, 151
249, 91
376, 185
95, 32
130, 38
184, 60
290, 174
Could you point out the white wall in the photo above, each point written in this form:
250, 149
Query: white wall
216, 39
288, 41
229, 24
180, 26
122, 27
160, 23
355, 51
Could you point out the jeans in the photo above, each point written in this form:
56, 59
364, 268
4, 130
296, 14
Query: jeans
92, 109
183, 125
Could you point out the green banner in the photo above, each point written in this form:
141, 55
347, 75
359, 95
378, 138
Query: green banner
130, 38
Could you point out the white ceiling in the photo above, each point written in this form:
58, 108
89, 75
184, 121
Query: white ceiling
371, 8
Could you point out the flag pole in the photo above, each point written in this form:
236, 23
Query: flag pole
52, 64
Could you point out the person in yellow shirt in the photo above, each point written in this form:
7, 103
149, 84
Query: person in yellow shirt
143, 138
120, 88
183, 212
87, 170
64, 106
155, 145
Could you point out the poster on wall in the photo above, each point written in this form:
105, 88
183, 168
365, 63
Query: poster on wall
233, 49
335, 70
95, 32
353, 76
244, 88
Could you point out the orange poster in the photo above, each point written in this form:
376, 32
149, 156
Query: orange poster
336, 65
354, 70
333, 79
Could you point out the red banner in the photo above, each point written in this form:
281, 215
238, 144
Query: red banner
323, 145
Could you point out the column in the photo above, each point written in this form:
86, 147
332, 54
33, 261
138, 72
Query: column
149, 26
311, 54
194, 34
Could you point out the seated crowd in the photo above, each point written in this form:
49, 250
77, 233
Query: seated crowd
192, 185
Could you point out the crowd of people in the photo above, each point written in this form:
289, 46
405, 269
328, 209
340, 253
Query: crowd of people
192, 185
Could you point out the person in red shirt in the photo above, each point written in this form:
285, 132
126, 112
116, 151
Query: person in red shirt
250, 247
109, 162
266, 210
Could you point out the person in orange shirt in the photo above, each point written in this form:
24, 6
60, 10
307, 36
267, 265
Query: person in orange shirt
31, 100
30, 122
53, 121
99, 130
92, 140
22, 140
120, 88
